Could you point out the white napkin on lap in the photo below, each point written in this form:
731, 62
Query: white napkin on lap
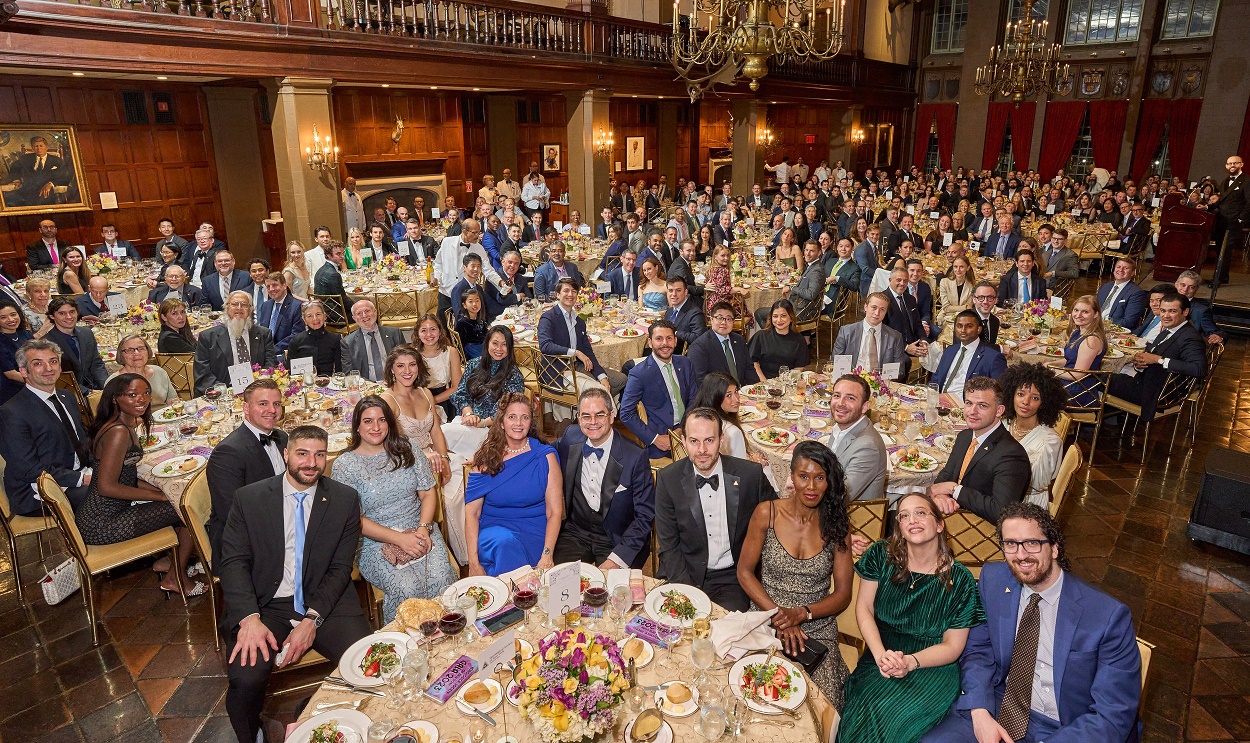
742, 632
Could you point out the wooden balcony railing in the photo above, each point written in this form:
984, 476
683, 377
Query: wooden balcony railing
259, 11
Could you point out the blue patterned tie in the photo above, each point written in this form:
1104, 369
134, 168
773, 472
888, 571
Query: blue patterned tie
299, 552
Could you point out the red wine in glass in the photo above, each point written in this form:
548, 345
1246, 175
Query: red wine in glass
212, 394
429, 628
525, 599
773, 404
595, 596
188, 429
452, 623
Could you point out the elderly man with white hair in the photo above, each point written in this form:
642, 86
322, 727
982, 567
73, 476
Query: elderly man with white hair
449, 263
365, 349
238, 340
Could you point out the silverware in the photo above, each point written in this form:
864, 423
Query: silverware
778, 723
470, 709
355, 704
353, 690
791, 713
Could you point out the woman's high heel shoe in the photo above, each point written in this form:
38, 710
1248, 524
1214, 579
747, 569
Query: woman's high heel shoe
199, 589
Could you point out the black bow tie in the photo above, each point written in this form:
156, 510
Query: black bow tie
268, 438
200, 254
713, 481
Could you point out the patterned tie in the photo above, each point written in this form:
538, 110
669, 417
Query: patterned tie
300, 527
872, 350
959, 364
674, 391
73, 343
1013, 715
968, 455
273, 318
729, 359
241, 350
375, 356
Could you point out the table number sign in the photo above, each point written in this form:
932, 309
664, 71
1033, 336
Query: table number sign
565, 584
241, 376
301, 365
116, 303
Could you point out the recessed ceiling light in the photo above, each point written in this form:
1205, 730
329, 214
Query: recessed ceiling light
78, 74
386, 85
433, 87
476, 89
161, 77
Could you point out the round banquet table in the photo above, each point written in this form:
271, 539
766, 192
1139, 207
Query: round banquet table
448, 718
1043, 349
609, 328
582, 251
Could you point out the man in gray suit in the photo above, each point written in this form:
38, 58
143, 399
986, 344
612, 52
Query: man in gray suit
365, 348
854, 441
871, 343
238, 340
1060, 261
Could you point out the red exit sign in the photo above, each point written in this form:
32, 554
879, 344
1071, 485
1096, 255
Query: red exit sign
809, 138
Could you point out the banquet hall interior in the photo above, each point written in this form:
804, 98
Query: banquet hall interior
260, 123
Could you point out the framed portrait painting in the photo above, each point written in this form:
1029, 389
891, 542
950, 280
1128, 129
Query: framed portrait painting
552, 157
40, 170
635, 153
885, 145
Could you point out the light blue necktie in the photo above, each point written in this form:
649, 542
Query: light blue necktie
299, 552
273, 318
1024, 290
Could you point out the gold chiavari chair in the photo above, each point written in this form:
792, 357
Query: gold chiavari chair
181, 370
398, 309
1197, 399
67, 381
338, 318
1087, 391
1172, 400
973, 539
1063, 479
19, 526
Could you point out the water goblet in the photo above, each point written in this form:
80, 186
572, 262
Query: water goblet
468, 606
670, 637
703, 656
380, 731
622, 601
397, 689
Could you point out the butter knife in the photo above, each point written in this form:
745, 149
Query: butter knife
352, 689
469, 709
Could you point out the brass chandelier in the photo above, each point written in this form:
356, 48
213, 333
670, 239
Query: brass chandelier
1024, 65
725, 39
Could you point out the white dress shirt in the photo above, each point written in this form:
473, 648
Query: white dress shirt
716, 519
862, 358
1043, 698
1112, 296
840, 433
287, 586
271, 449
593, 469
957, 377
47, 399
197, 266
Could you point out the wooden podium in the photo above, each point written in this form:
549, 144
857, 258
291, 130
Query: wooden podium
1183, 236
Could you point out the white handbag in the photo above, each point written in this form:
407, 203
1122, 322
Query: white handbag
61, 582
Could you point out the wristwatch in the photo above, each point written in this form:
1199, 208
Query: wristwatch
808, 609
427, 527
316, 618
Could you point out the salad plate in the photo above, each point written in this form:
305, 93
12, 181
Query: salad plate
490, 592
913, 460
372, 657
750, 415
676, 602
589, 573
179, 466
779, 683
325, 727
773, 436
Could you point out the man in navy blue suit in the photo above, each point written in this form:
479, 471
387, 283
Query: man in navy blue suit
1123, 302
1057, 660
720, 349
967, 358
550, 273
176, 284
921, 291
282, 313
684, 312
1199, 314
218, 285
1002, 244
112, 246
624, 277
665, 386
41, 430
79, 352
95, 302
1022, 282
562, 333
609, 492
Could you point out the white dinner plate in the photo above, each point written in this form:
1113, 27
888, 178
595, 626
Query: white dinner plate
496, 697
169, 414
589, 573
159, 439
628, 332
797, 679
933, 466
656, 597
750, 415
349, 665
664, 736
349, 719
338, 442
176, 467
648, 651
676, 710
495, 587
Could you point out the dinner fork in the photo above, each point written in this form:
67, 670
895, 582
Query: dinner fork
354, 704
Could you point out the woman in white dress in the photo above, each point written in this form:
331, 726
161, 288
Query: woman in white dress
1035, 399
719, 392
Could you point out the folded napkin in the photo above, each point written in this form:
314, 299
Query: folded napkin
742, 632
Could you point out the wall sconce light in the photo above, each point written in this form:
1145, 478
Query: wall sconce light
765, 139
321, 155
857, 137
604, 143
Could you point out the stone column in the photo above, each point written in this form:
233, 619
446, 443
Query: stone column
1224, 100
587, 113
973, 108
748, 163
309, 197
236, 149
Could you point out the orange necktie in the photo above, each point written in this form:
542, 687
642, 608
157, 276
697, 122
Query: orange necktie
972, 450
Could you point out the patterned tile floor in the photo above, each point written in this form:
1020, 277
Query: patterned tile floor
156, 675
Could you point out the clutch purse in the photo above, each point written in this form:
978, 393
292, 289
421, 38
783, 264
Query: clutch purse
811, 656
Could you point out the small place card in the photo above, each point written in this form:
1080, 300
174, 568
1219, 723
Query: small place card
948, 239
911, 209
565, 583
890, 370
906, 178
559, 226
889, 195
1050, 208
934, 215
1154, 203
116, 304
974, 246
760, 251
301, 365
750, 221
402, 248
118, 251
1056, 303
497, 655
841, 365
241, 376
603, 287
434, 213
457, 675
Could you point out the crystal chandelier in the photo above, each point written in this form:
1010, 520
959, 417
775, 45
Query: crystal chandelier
725, 39
1024, 65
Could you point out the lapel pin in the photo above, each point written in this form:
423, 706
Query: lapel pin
1007, 590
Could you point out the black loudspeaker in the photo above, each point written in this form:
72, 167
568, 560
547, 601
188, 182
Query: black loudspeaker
1221, 514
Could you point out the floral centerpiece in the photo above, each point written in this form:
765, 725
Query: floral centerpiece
588, 303
875, 382
281, 376
144, 315
1039, 314
393, 265
572, 686
101, 264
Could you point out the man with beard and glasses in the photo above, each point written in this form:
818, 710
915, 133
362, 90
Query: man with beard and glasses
236, 341
286, 575
1061, 661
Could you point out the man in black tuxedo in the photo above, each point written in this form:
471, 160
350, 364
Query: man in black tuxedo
40, 253
514, 277
681, 266
80, 354
33, 177
716, 348
176, 285
1232, 213
988, 469
684, 312
199, 260
984, 299
415, 248
286, 575
1179, 347
251, 453
609, 492
41, 430
329, 281
703, 504
236, 341
904, 314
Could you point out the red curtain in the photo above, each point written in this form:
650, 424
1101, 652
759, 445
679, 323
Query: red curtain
1022, 116
1063, 124
1154, 117
1106, 130
995, 127
1182, 129
924, 118
946, 132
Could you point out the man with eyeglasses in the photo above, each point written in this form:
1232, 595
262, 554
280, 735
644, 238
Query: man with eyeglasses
720, 349
449, 263
1061, 661
609, 493
1060, 261
987, 469
984, 299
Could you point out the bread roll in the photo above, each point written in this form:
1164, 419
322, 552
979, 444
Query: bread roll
678, 693
478, 693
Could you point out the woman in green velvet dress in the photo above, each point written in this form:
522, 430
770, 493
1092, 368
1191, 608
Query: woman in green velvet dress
915, 607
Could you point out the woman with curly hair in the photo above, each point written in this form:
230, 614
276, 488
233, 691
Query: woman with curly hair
514, 500
797, 543
915, 607
1035, 398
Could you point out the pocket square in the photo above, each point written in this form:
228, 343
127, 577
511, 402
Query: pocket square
621, 488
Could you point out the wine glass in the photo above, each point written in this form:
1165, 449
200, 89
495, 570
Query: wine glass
702, 655
427, 623
596, 597
468, 607
397, 688
622, 601
524, 599
669, 636
452, 624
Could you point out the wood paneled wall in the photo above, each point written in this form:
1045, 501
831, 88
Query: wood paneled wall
792, 125
550, 127
870, 118
476, 150
433, 134
157, 170
715, 132
635, 118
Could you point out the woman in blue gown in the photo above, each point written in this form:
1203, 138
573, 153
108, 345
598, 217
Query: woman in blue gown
514, 500
652, 291
1086, 345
